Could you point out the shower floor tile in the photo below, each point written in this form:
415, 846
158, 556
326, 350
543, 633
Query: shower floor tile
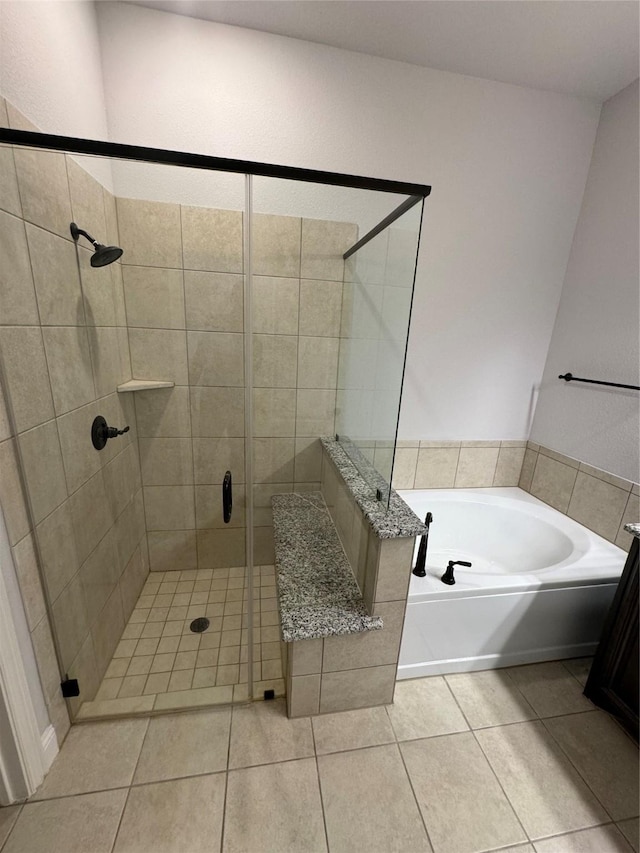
160, 663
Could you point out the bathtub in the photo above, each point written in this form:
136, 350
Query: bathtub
539, 587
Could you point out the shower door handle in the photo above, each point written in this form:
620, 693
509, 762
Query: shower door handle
227, 497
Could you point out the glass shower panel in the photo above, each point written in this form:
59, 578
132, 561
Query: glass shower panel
378, 292
131, 540
300, 232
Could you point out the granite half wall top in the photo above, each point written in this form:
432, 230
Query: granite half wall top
633, 528
317, 593
396, 521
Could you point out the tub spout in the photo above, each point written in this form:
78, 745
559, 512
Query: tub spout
448, 577
419, 568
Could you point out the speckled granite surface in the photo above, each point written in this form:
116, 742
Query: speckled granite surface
633, 529
318, 594
395, 522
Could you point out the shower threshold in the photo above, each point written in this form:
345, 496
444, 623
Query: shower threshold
161, 665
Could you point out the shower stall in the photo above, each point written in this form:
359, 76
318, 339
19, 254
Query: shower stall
164, 384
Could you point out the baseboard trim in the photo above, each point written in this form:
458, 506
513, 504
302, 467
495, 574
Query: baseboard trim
49, 747
497, 661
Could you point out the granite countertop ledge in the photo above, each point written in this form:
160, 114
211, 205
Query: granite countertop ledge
397, 521
318, 595
634, 529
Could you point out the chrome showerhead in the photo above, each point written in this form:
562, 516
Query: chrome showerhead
102, 255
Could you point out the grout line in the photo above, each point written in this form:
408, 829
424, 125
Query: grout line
415, 796
20, 807
563, 662
386, 708
139, 784
486, 758
511, 681
455, 476
315, 755
577, 769
581, 829
126, 801
226, 777
573, 488
532, 720
66, 237
618, 723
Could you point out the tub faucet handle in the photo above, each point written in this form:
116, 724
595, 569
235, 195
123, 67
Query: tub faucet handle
448, 577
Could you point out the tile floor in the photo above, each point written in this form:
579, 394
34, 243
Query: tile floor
511, 760
161, 665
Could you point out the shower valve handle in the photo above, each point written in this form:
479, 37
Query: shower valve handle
112, 432
101, 432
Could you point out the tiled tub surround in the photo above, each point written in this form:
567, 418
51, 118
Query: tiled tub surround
184, 302
457, 464
600, 501
161, 665
64, 350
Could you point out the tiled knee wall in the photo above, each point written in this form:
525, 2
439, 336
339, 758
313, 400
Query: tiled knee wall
356, 670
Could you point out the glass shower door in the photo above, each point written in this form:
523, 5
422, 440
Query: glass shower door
298, 237
218, 337
296, 293
131, 543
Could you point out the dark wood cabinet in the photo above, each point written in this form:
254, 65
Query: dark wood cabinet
613, 679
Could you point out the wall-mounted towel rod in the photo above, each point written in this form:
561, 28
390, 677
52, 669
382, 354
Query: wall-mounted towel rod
569, 377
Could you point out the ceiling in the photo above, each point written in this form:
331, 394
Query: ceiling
587, 48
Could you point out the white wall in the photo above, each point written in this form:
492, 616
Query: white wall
10, 580
50, 69
507, 164
598, 325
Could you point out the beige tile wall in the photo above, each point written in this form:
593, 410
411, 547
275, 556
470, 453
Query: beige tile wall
381, 567
457, 464
64, 349
600, 501
183, 283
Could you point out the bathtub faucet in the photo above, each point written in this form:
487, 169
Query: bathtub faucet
419, 568
448, 577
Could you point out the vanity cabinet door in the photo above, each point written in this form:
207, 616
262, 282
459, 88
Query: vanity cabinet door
613, 679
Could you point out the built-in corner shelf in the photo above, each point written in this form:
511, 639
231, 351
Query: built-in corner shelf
143, 385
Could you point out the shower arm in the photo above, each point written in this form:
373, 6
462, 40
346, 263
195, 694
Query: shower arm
76, 232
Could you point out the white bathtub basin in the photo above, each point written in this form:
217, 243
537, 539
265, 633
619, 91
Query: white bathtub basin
539, 586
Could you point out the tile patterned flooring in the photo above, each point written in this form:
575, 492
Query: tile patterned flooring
509, 760
161, 665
